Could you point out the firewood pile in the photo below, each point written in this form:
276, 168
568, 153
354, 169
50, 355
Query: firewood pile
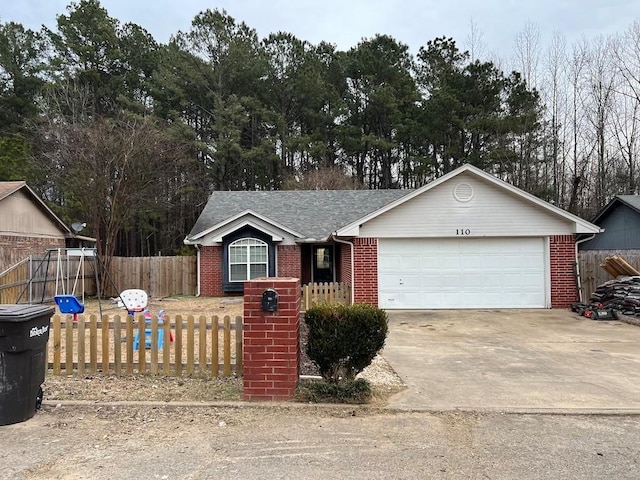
623, 292
617, 266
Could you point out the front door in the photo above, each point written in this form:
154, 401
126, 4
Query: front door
322, 263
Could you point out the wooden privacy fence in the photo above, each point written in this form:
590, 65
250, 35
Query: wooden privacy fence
33, 280
13, 281
592, 274
38, 278
158, 276
333, 292
189, 346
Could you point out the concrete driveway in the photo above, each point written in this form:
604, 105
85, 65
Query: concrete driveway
514, 360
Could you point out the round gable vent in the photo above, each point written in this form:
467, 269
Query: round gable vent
463, 192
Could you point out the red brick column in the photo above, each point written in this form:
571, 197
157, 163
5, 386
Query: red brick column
365, 274
564, 291
271, 352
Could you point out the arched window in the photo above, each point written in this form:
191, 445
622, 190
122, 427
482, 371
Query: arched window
248, 258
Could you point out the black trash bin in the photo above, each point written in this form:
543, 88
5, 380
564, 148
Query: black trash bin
24, 332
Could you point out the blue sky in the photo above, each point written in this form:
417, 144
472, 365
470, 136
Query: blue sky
346, 22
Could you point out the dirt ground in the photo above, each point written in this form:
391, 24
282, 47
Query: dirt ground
173, 306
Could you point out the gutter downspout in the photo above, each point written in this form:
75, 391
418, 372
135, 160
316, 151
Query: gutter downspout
578, 277
353, 272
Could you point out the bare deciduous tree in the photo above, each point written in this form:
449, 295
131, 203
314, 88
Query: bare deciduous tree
527, 53
328, 178
555, 101
475, 42
579, 163
600, 82
107, 170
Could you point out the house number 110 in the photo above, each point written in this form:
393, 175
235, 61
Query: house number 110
463, 231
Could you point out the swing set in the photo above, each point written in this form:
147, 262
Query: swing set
68, 303
69, 292
70, 269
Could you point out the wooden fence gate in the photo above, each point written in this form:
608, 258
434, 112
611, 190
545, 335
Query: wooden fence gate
333, 292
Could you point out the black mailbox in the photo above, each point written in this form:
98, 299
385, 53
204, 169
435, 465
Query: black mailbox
269, 300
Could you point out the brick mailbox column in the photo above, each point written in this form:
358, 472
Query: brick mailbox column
271, 352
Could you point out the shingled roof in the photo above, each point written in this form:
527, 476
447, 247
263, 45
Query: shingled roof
7, 188
631, 201
315, 214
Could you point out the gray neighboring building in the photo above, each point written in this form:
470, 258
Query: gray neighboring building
620, 219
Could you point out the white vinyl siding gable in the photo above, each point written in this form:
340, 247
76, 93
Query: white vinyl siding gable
491, 212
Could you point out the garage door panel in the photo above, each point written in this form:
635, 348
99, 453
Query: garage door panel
388, 262
411, 264
411, 281
462, 273
530, 278
474, 261
445, 281
520, 261
449, 261
472, 281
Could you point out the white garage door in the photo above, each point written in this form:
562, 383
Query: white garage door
461, 273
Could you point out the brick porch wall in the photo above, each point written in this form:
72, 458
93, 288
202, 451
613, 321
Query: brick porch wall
365, 278
562, 253
344, 270
211, 271
289, 261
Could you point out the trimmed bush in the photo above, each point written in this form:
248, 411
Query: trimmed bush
343, 340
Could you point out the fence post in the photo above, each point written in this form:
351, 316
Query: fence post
271, 352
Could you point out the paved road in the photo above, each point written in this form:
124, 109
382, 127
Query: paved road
101, 442
513, 359
496, 364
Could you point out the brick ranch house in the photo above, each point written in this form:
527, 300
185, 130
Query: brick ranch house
466, 240
28, 226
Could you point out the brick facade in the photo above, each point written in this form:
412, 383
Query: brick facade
344, 268
271, 350
211, 271
562, 252
14, 248
365, 274
289, 261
